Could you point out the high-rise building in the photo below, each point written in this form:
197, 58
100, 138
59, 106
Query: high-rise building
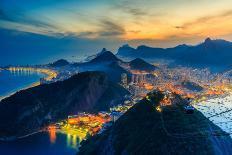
133, 78
124, 79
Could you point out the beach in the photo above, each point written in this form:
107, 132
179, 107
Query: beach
18, 78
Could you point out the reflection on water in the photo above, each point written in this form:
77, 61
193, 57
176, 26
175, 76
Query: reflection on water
43, 143
68, 140
25, 72
72, 141
52, 134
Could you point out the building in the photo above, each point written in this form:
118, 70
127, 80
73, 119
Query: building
43, 81
124, 79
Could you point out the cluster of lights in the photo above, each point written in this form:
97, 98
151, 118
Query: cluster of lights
51, 74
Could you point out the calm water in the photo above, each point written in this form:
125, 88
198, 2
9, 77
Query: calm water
13, 81
41, 144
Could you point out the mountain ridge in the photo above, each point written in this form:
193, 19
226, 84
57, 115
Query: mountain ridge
209, 52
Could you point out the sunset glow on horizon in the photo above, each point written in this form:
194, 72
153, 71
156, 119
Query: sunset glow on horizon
160, 20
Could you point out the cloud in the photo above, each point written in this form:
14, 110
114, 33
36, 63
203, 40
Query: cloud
132, 10
110, 28
205, 19
179, 27
135, 31
136, 12
86, 34
20, 18
106, 28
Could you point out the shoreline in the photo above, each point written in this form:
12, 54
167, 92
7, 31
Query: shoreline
49, 74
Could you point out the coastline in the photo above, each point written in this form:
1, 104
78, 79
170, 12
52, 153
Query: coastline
49, 74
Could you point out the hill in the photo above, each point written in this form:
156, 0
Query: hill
139, 64
59, 63
30, 109
105, 61
104, 56
144, 130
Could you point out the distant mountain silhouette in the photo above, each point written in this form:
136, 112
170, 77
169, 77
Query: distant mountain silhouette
104, 56
210, 52
59, 63
107, 62
139, 64
30, 109
126, 50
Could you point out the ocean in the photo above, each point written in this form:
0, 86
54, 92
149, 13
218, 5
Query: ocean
42, 143
11, 82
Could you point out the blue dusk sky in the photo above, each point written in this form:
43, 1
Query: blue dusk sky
39, 31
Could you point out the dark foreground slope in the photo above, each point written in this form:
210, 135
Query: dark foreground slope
144, 130
30, 109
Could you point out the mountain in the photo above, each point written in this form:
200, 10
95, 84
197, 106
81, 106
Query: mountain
106, 62
208, 53
114, 71
126, 50
104, 56
59, 63
139, 64
141, 52
30, 109
145, 130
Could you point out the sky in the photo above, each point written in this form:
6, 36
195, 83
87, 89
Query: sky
111, 23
